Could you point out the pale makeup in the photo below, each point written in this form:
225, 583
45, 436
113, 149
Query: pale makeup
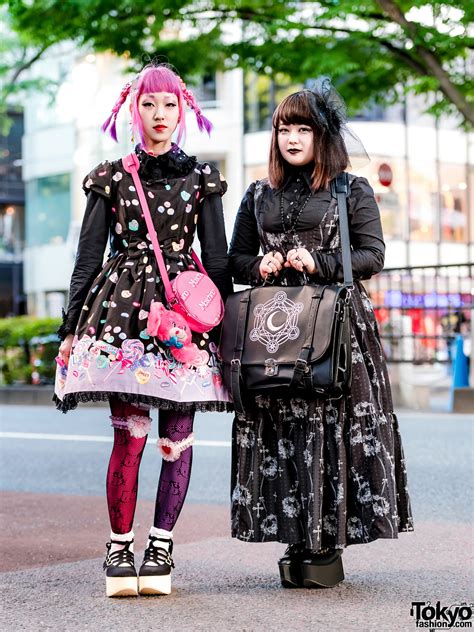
296, 143
159, 112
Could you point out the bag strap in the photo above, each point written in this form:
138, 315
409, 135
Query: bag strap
340, 189
236, 362
301, 364
131, 165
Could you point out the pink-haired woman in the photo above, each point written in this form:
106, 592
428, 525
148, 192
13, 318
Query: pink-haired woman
106, 351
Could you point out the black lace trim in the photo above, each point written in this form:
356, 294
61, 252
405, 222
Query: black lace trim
172, 164
71, 401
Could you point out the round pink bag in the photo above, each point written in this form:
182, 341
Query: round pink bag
197, 298
192, 293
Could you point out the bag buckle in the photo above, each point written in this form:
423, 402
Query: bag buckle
301, 366
271, 367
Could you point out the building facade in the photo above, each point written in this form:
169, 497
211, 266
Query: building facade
422, 173
12, 220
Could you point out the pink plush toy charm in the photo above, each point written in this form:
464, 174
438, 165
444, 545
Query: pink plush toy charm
173, 330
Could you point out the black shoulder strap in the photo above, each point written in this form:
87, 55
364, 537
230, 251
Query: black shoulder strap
340, 189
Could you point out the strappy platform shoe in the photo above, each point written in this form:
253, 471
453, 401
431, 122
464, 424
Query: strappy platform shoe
120, 573
154, 576
290, 566
322, 570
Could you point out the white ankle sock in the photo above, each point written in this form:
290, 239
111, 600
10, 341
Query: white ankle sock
121, 537
161, 533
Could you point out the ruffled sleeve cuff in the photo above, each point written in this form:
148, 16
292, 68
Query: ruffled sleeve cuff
67, 326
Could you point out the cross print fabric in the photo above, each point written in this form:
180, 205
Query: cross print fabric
326, 473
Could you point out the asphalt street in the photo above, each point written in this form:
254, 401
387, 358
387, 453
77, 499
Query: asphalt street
54, 525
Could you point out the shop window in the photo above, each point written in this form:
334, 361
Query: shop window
205, 90
48, 210
454, 203
390, 193
262, 94
11, 229
423, 204
470, 192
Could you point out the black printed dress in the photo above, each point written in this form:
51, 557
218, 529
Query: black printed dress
113, 353
326, 473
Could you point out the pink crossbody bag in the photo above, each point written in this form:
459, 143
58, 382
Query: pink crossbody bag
191, 293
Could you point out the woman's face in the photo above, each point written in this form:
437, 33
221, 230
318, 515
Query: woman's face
159, 112
296, 143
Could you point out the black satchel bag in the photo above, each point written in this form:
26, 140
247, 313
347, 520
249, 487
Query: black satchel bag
292, 340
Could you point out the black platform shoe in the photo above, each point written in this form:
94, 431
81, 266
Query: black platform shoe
322, 570
290, 566
120, 573
154, 576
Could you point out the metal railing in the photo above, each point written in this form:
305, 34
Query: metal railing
421, 309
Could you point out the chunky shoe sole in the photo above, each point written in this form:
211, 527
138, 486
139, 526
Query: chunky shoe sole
323, 575
121, 586
154, 584
290, 575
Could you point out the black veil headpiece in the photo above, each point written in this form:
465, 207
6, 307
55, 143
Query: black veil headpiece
329, 112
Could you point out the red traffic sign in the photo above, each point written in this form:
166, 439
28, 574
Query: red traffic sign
385, 174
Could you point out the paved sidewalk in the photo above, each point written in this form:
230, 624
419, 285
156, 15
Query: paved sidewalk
219, 583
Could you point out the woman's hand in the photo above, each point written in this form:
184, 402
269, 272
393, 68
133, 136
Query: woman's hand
300, 259
271, 263
65, 348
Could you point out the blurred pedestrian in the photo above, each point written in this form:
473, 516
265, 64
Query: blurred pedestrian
317, 474
108, 352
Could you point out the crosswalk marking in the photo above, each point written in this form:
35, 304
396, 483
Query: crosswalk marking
39, 436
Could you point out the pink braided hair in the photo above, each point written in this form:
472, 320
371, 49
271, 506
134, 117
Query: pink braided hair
203, 122
112, 119
172, 81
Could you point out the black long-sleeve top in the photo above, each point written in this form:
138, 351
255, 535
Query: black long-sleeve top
96, 232
264, 217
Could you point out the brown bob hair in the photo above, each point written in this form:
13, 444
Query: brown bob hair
330, 153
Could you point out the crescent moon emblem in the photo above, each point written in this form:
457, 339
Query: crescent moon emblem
270, 324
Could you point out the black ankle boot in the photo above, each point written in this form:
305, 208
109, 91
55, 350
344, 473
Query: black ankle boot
290, 566
120, 573
154, 576
322, 569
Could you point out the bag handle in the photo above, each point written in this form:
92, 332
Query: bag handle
340, 190
131, 165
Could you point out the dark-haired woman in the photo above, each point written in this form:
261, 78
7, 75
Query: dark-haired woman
316, 474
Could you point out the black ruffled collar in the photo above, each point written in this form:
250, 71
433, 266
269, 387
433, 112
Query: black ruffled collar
173, 164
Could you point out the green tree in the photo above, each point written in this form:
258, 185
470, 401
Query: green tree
374, 49
16, 56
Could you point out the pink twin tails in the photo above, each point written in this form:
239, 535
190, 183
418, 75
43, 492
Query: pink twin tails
204, 124
112, 119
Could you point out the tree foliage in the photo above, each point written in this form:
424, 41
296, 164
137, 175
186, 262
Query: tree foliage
374, 50
17, 54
